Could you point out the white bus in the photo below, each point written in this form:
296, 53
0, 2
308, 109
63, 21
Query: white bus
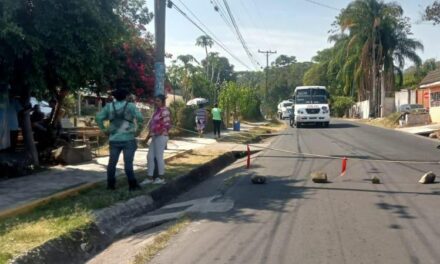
311, 106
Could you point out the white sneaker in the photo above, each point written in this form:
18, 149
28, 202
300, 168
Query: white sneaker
159, 181
146, 181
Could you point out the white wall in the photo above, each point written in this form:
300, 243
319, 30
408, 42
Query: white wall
361, 110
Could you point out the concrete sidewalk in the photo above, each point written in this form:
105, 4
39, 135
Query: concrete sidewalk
20, 192
420, 129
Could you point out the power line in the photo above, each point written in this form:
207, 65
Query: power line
323, 5
178, 9
252, 19
240, 36
206, 27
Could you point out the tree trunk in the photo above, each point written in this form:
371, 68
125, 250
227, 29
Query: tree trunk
207, 62
55, 112
28, 137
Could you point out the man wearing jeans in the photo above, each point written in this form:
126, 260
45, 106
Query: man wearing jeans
122, 132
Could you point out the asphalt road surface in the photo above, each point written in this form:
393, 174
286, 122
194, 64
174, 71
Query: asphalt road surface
349, 220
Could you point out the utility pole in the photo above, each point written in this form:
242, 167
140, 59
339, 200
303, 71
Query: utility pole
267, 53
159, 65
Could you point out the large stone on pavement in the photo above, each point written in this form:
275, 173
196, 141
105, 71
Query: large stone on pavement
375, 180
319, 177
428, 178
257, 179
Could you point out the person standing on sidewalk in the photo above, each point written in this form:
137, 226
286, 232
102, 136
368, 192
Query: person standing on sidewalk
122, 132
217, 119
201, 117
158, 133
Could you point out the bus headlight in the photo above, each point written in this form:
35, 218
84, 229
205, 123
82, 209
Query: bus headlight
325, 110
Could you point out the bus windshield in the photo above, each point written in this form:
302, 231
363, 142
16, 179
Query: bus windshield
311, 96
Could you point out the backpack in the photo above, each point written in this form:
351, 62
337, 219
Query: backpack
118, 117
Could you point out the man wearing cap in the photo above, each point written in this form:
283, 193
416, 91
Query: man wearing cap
122, 132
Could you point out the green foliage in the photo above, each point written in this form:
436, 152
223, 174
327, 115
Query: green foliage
67, 44
432, 13
240, 101
341, 104
70, 105
372, 35
414, 75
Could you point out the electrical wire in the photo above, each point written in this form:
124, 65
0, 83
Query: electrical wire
240, 36
178, 9
206, 27
323, 5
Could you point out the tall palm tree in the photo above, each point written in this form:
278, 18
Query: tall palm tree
377, 35
205, 41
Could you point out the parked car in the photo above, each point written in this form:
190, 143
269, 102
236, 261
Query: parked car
412, 108
285, 109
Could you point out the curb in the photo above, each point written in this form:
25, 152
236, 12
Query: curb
395, 130
29, 206
80, 245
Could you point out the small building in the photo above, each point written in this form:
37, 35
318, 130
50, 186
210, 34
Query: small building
428, 94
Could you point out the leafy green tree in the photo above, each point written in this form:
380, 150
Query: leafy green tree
57, 46
432, 13
284, 60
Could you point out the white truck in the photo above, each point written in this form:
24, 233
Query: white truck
311, 106
285, 109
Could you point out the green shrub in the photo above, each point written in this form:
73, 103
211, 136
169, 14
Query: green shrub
341, 105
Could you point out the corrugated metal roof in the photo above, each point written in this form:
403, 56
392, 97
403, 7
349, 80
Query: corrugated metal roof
432, 77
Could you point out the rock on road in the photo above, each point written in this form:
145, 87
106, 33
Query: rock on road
349, 220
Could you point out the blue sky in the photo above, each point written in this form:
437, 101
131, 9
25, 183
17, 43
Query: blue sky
292, 27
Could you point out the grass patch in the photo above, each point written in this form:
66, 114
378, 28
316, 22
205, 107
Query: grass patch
161, 241
58, 217
391, 121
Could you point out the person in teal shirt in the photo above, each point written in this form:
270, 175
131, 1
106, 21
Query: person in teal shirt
217, 119
125, 123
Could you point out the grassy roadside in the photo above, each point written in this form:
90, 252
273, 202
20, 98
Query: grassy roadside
59, 217
391, 121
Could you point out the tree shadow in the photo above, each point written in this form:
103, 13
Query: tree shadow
399, 210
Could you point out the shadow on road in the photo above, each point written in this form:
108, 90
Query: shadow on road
332, 126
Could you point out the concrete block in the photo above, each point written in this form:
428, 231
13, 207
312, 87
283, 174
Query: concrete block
73, 155
428, 178
319, 177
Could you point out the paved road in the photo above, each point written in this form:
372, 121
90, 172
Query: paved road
350, 220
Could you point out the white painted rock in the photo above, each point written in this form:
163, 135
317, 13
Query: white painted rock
428, 178
319, 177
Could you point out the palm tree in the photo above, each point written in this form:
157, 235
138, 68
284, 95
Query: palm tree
377, 35
205, 41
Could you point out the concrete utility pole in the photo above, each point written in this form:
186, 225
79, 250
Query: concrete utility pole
159, 65
267, 53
